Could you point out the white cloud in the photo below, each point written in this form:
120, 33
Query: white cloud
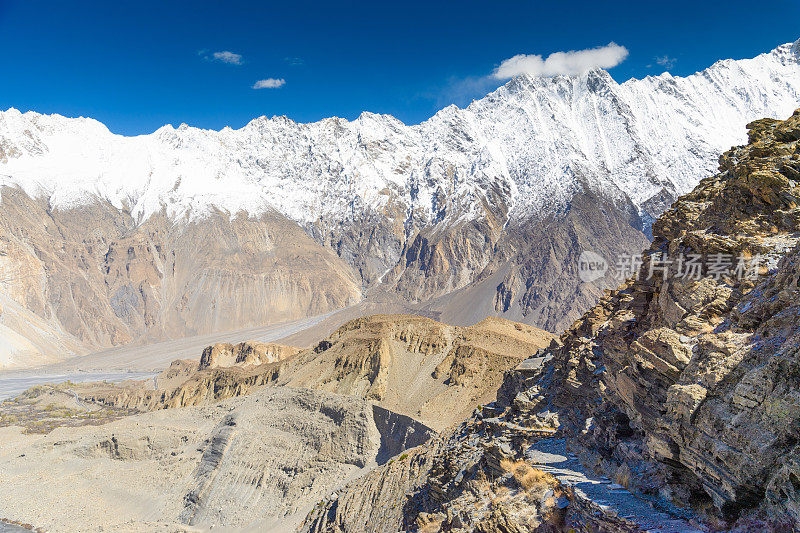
269, 83
569, 63
227, 57
666, 61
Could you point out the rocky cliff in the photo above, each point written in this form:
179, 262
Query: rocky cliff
681, 385
244, 354
413, 365
697, 375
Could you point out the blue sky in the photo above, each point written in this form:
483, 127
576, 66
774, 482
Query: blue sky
138, 65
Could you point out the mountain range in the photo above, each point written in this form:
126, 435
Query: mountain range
108, 239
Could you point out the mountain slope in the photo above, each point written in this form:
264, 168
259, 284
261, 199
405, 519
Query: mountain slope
496, 200
102, 279
416, 366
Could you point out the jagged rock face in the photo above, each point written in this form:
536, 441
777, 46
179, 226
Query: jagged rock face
97, 279
378, 501
532, 273
467, 479
540, 280
701, 375
478, 200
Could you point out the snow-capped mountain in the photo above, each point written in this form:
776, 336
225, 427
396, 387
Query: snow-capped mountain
528, 136
481, 195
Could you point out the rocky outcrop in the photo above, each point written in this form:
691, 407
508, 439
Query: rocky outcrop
244, 354
414, 365
181, 385
398, 433
692, 378
377, 501
469, 479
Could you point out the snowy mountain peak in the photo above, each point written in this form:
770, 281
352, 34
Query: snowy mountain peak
795, 49
788, 53
536, 140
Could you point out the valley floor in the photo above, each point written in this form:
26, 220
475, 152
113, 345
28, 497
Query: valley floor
13, 383
157, 356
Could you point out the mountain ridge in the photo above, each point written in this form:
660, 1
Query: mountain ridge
593, 82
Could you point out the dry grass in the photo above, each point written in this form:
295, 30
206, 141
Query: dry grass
528, 477
499, 494
623, 476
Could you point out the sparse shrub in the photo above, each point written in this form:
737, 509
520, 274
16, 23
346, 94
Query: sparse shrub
528, 477
7, 420
536, 479
623, 476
